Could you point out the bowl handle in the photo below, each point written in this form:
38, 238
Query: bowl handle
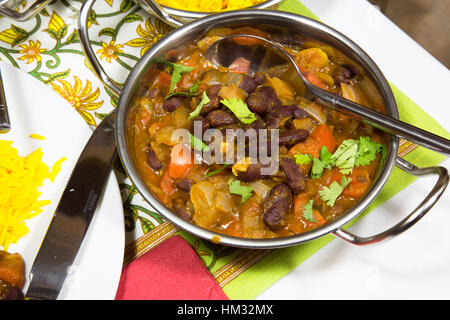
414, 216
89, 52
37, 6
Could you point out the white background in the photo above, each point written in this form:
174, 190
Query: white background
415, 264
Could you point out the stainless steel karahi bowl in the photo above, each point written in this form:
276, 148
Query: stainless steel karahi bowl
135, 85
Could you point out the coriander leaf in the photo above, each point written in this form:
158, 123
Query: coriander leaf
317, 168
194, 88
244, 191
331, 193
212, 173
325, 155
320, 164
367, 151
302, 159
178, 70
196, 112
308, 211
345, 156
188, 94
345, 181
240, 110
197, 143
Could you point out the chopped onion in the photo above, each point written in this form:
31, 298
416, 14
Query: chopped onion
260, 188
316, 111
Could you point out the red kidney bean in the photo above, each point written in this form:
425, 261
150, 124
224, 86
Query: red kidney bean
183, 184
173, 103
152, 159
277, 206
248, 84
218, 118
181, 209
254, 172
345, 73
294, 176
292, 136
202, 123
263, 100
214, 103
287, 39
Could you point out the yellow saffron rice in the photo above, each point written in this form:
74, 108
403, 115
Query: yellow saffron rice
209, 5
20, 179
36, 136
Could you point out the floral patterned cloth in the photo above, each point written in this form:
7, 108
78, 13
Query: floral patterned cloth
48, 48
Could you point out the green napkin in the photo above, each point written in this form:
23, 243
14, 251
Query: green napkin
279, 262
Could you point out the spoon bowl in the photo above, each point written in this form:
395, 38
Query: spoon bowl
265, 54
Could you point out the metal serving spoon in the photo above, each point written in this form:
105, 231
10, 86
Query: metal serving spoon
225, 50
5, 124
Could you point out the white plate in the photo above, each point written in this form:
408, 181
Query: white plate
35, 108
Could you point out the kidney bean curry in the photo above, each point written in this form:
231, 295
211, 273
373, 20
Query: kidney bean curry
327, 160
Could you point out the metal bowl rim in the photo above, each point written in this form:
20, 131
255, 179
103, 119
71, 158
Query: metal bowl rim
199, 14
133, 173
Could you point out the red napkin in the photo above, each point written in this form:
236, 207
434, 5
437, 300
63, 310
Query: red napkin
170, 271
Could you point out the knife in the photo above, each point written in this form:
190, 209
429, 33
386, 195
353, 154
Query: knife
5, 124
73, 214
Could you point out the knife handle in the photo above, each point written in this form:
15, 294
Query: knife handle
5, 124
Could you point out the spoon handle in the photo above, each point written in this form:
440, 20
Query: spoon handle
163, 15
5, 124
386, 123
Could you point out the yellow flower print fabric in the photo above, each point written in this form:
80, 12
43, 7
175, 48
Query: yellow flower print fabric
48, 48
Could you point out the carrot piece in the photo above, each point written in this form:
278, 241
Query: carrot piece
332, 175
312, 59
360, 183
167, 184
323, 134
234, 229
309, 146
246, 41
181, 161
319, 219
315, 80
299, 204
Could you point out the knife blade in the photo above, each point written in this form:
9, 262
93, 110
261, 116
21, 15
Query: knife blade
73, 214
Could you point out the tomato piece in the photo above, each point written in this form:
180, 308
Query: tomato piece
240, 65
167, 184
163, 81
